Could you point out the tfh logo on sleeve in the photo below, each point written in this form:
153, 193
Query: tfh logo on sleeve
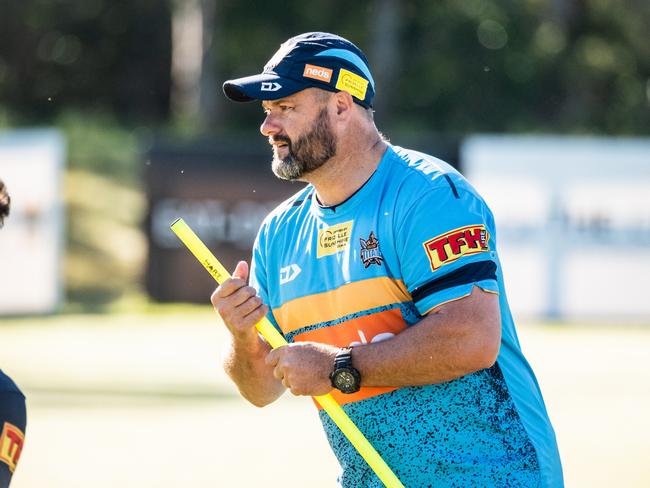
453, 245
11, 445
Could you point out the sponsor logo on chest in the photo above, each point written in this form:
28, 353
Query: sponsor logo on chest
334, 239
453, 245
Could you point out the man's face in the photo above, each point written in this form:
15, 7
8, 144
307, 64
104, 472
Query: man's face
299, 129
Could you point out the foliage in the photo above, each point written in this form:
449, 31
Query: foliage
462, 66
101, 71
105, 247
97, 143
85, 54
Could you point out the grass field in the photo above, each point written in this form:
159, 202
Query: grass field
139, 400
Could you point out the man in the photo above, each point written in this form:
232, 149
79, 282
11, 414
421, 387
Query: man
383, 275
12, 401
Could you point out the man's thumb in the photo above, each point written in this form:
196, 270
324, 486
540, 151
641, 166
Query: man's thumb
241, 271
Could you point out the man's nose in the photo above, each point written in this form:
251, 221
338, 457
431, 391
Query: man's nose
270, 126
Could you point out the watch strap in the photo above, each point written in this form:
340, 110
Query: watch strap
343, 365
343, 358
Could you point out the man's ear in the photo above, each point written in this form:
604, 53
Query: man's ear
344, 104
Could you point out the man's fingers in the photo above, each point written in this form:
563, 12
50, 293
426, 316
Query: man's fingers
226, 304
274, 359
278, 374
249, 305
242, 295
237, 303
238, 280
274, 355
241, 271
228, 287
257, 314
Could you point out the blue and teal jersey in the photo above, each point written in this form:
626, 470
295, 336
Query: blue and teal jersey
416, 235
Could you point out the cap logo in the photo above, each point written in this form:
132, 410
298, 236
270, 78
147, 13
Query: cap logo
270, 86
352, 83
317, 73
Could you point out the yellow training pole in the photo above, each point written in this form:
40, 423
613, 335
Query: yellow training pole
275, 339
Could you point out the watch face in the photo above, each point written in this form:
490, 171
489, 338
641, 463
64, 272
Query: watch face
344, 380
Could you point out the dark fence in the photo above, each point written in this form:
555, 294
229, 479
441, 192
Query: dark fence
223, 190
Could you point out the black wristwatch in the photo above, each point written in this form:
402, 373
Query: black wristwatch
345, 377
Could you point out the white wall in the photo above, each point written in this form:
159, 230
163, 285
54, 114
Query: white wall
573, 221
31, 242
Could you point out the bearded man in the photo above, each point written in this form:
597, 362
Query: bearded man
383, 275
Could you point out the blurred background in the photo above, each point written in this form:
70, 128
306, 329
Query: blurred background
112, 125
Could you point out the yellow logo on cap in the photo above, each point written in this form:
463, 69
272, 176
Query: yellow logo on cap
352, 83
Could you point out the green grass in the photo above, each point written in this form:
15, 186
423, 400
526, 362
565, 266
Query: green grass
147, 390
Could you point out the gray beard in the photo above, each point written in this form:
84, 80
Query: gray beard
309, 152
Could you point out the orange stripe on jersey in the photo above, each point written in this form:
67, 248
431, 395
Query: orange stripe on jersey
362, 394
361, 330
344, 300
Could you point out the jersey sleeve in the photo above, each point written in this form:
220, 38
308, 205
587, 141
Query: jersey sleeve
445, 247
259, 277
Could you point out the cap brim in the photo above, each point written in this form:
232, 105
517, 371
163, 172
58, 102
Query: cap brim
265, 86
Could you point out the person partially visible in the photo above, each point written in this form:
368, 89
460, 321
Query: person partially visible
5, 202
13, 413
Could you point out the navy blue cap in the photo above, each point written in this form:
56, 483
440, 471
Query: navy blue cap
314, 59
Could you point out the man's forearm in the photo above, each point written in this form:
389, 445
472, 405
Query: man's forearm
244, 363
442, 347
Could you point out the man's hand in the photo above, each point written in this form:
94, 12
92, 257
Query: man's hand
238, 305
244, 360
304, 367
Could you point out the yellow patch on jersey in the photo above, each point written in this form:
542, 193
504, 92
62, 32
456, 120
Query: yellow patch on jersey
352, 83
11, 445
334, 238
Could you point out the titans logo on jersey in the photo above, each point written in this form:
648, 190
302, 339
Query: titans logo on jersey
414, 237
370, 253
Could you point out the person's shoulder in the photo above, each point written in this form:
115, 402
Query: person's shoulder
422, 173
289, 209
7, 384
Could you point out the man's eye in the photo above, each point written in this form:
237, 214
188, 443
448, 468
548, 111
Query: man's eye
284, 108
